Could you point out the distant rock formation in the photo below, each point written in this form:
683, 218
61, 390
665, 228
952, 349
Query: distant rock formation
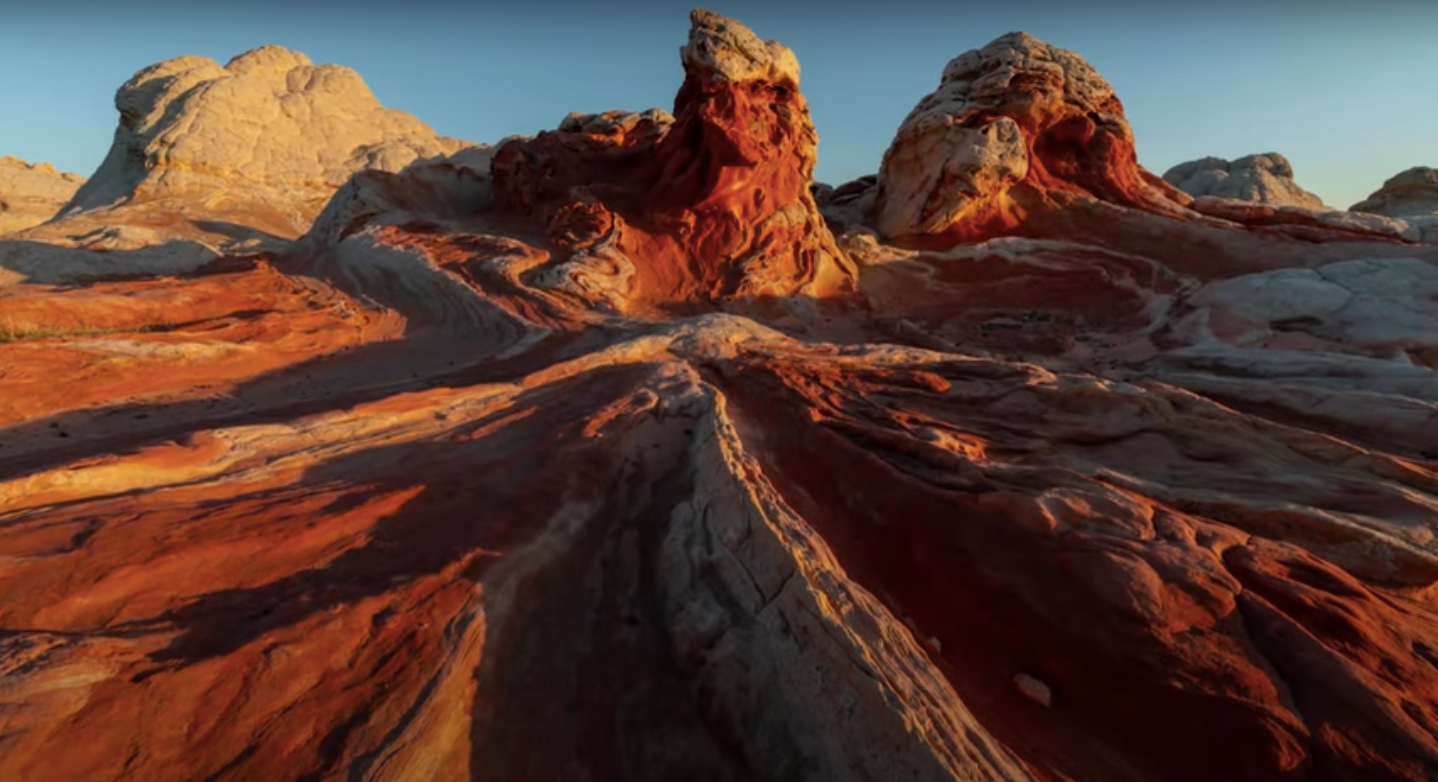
1264, 178
1024, 139
1015, 127
263, 141
1413, 193
710, 203
31, 193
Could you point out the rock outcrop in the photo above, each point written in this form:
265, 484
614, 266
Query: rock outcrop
1265, 179
1412, 193
209, 159
1026, 139
1378, 308
709, 203
1015, 127
507, 446
262, 142
31, 193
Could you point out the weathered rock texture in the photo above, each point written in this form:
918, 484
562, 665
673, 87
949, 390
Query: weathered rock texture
209, 159
395, 505
1377, 307
710, 203
1265, 179
1016, 126
1412, 193
263, 141
31, 193
1026, 139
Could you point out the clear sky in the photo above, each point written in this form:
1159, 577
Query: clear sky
1347, 91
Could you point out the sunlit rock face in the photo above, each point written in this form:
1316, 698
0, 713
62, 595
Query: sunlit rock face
235, 157
508, 469
31, 193
209, 159
1265, 179
269, 127
1015, 126
708, 204
1025, 139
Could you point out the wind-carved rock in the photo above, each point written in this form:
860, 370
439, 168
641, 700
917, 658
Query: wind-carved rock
1258, 190
392, 502
1014, 128
1412, 193
708, 204
263, 141
31, 193
1264, 178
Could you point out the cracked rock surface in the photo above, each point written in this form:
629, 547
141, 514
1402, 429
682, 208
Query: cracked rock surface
512, 472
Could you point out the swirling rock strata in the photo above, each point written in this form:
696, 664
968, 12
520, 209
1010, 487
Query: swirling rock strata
708, 204
1014, 127
412, 500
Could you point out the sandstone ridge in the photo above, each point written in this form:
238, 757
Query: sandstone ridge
605, 455
715, 197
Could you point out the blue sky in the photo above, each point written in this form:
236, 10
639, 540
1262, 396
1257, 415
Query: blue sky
1348, 92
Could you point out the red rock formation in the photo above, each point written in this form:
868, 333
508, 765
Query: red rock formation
421, 498
1015, 127
1037, 528
1020, 136
709, 205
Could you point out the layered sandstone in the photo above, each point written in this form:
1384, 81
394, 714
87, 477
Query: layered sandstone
31, 193
709, 203
1026, 139
1014, 127
1153, 498
1265, 179
1381, 308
